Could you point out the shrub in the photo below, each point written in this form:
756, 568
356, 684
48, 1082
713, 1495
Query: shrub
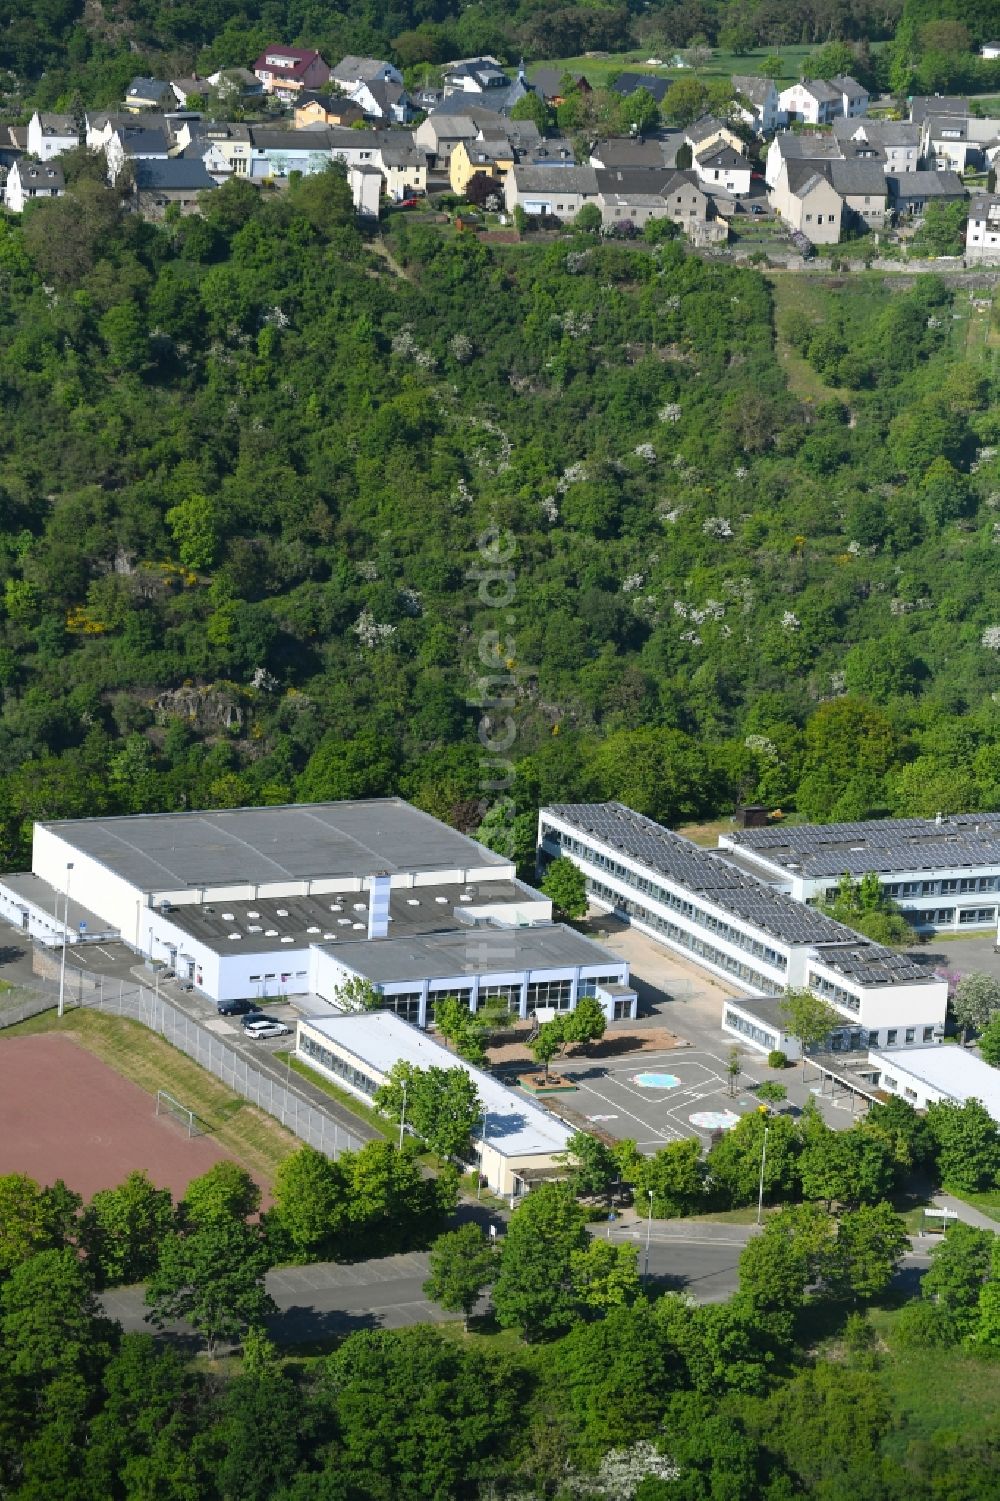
777, 1059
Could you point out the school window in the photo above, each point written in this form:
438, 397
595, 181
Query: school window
928, 1034
910, 1035
890, 1042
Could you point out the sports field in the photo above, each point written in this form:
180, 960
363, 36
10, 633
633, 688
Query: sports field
65, 1114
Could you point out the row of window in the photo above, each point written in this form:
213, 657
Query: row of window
951, 886
750, 1029
667, 898
336, 1065
681, 938
835, 993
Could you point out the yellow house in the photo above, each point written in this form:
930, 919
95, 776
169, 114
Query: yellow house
326, 109
493, 158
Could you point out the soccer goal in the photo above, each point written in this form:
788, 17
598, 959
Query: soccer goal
167, 1105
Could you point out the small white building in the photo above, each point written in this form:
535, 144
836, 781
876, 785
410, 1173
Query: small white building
982, 232
366, 191
720, 168
811, 101
518, 1141
50, 135
352, 71
990, 50
929, 1075
29, 181
757, 103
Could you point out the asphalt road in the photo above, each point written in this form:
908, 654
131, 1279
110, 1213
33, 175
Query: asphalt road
326, 1299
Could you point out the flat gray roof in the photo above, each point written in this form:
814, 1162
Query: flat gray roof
25, 886
708, 874
262, 924
470, 951
170, 851
515, 1125
884, 845
958, 1074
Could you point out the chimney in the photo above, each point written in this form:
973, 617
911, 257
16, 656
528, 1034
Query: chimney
939, 819
378, 905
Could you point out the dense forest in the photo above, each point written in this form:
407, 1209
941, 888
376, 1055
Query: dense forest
814, 1379
256, 481
56, 49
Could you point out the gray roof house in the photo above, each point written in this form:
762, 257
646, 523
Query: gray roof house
149, 93
630, 83
555, 192
351, 71
911, 192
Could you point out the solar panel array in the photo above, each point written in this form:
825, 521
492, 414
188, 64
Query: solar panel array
965, 840
871, 964
706, 874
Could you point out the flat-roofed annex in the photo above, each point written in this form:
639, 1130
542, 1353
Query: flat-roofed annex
294, 842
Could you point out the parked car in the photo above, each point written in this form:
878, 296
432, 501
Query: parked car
256, 1030
757, 208
236, 1008
409, 202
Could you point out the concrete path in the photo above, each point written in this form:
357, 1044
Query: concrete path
967, 1213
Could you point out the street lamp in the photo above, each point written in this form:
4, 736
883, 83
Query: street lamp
402, 1119
763, 1159
649, 1231
62, 968
482, 1160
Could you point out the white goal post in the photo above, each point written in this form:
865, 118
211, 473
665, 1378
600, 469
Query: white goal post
167, 1105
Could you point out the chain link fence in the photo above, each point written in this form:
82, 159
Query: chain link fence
279, 1099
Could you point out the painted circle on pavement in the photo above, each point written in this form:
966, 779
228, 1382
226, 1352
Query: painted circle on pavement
656, 1081
714, 1120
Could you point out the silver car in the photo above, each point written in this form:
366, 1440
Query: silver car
266, 1029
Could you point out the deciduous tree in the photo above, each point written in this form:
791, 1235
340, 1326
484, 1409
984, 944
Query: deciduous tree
463, 1263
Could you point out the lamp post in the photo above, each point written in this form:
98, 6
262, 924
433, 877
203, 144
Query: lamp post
763, 1160
482, 1160
649, 1231
402, 1119
62, 968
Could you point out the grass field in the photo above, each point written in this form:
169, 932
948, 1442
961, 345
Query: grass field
342, 1096
795, 291
935, 1390
243, 1131
600, 68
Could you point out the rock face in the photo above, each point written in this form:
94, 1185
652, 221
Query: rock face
211, 708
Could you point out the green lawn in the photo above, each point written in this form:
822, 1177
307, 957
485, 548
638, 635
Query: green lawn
249, 1135
935, 1390
723, 64
342, 1096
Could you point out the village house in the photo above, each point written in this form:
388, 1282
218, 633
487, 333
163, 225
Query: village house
551, 192
895, 143
385, 100
638, 194
149, 93
161, 183
630, 83
789, 146
325, 109
811, 101
982, 233
50, 135
133, 143
553, 85
223, 147
366, 185
707, 132
635, 151
194, 92
277, 153
854, 97
28, 181
352, 71
757, 103
911, 192
402, 163
808, 202
863, 190
955, 142
720, 168
236, 83
287, 71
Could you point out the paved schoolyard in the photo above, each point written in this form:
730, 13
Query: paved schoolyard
657, 1098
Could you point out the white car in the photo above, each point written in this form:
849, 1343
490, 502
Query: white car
266, 1029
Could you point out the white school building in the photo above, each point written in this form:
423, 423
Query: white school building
759, 939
